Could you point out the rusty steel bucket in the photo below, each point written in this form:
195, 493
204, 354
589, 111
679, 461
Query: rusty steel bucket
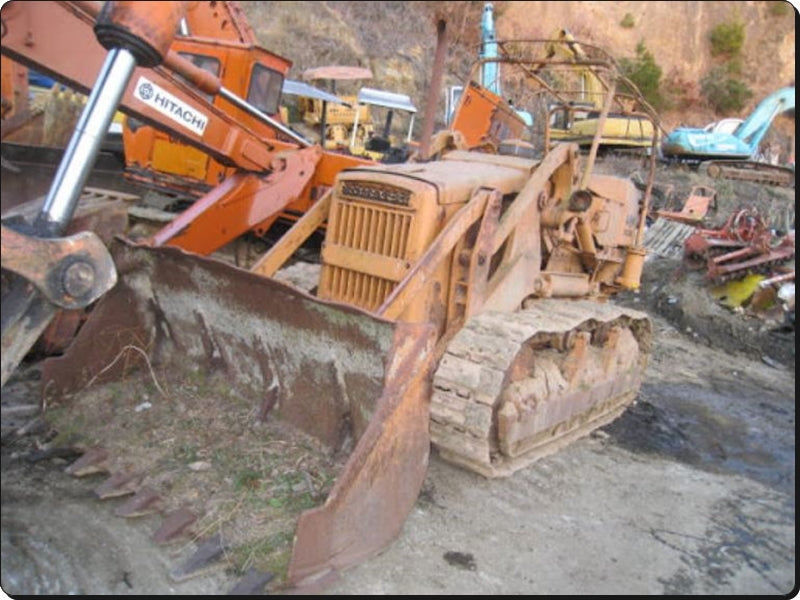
327, 369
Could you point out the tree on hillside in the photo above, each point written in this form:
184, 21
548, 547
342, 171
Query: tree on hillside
723, 87
645, 74
725, 94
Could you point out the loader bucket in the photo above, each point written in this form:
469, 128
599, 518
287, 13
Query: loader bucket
329, 370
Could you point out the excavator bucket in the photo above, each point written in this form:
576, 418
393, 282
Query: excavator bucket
354, 382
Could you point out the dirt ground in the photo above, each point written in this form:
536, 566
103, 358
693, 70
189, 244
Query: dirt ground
690, 491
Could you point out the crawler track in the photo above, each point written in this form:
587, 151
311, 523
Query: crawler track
752, 171
512, 388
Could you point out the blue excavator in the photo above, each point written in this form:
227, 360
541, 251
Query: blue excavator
734, 155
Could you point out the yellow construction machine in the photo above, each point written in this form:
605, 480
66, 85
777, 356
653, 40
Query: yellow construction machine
577, 111
329, 122
460, 301
361, 124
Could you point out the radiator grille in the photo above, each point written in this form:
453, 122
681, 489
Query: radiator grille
372, 229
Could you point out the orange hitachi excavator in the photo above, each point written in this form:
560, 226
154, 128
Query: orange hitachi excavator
461, 301
244, 165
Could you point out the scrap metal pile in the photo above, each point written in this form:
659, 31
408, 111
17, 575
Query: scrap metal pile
747, 261
742, 246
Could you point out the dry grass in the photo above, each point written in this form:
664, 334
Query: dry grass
200, 447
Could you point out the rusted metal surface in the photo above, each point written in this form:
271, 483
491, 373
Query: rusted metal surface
239, 204
41, 275
335, 371
435, 86
701, 199
70, 272
122, 483
744, 227
743, 245
94, 460
512, 388
101, 211
25, 315
207, 553
175, 525
458, 237
146, 501
381, 481
749, 259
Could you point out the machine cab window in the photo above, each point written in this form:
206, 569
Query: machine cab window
265, 89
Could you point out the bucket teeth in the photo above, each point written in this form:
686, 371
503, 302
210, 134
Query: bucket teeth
175, 524
119, 484
145, 502
92, 461
251, 584
207, 555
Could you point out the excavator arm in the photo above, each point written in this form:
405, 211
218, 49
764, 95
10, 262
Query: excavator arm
726, 155
46, 36
754, 127
126, 64
218, 20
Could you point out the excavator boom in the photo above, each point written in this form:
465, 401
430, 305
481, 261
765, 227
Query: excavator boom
156, 96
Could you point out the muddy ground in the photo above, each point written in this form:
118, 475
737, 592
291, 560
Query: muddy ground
690, 491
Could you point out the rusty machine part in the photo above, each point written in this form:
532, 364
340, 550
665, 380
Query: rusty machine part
199, 132
41, 275
233, 143
513, 389
266, 174
100, 211
743, 245
423, 264
750, 259
700, 201
315, 361
77, 268
331, 379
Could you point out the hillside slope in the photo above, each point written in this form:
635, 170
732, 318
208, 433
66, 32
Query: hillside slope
397, 39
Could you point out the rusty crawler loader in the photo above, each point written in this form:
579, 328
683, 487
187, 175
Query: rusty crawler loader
461, 304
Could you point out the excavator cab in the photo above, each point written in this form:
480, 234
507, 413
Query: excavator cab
575, 114
180, 171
